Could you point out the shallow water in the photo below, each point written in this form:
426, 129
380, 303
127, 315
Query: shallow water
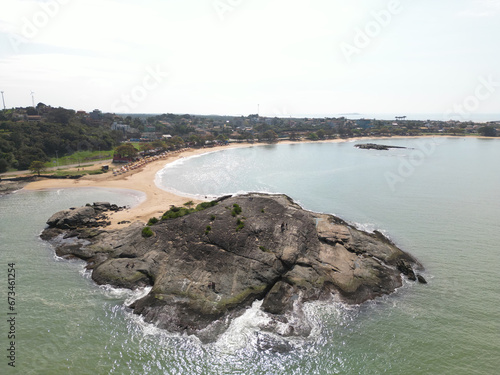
444, 211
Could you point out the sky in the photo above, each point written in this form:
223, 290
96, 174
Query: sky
279, 58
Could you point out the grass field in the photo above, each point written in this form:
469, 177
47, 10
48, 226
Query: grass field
81, 157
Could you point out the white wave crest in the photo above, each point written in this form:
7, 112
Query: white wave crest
129, 296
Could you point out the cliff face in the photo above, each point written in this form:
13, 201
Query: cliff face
211, 264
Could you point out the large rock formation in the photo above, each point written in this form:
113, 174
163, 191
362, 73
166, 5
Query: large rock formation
213, 263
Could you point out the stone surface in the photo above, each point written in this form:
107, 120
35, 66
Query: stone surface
283, 255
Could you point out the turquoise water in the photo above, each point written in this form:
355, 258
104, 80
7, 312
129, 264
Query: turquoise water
438, 201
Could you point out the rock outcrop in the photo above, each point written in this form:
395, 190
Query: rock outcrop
11, 185
87, 216
209, 265
375, 146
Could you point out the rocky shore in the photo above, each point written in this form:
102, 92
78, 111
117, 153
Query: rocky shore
11, 185
206, 265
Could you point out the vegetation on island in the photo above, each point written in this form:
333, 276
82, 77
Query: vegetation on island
152, 221
147, 232
236, 210
175, 212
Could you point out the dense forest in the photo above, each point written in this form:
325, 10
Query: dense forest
62, 132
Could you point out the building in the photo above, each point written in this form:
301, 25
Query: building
122, 127
364, 123
96, 117
34, 118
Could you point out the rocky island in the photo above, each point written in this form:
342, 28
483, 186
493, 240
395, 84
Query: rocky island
206, 265
375, 146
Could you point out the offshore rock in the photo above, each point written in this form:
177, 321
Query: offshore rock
374, 146
421, 279
208, 266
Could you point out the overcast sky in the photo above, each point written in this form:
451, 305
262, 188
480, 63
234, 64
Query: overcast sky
291, 57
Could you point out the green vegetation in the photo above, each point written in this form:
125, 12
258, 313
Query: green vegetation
487, 131
240, 224
59, 133
189, 204
312, 136
137, 145
265, 249
204, 205
126, 150
268, 136
4, 166
81, 157
175, 212
153, 221
212, 218
236, 210
147, 232
37, 167
208, 229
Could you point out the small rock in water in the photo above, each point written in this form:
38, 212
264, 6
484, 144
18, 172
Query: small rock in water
421, 279
406, 269
268, 343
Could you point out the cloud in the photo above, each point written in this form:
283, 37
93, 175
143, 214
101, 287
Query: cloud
481, 9
90, 52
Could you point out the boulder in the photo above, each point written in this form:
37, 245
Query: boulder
73, 218
421, 279
406, 269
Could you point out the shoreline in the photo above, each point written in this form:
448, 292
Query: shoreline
157, 200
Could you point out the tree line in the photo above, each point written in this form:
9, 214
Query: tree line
60, 134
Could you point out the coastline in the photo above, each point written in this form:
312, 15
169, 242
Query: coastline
157, 200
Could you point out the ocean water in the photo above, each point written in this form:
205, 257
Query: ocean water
438, 200
446, 116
